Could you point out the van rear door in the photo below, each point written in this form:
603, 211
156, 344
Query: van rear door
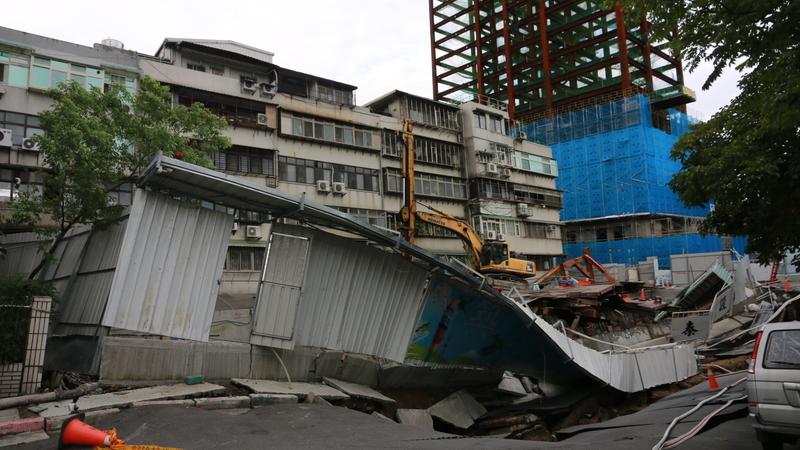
777, 376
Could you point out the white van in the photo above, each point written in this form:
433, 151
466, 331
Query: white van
773, 384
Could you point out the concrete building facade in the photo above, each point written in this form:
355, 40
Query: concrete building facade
29, 65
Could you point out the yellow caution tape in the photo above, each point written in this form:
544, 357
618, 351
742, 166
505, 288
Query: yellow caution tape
119, 444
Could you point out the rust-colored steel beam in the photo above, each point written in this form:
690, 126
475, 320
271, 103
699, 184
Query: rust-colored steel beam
476, 12
644, 28
544, 43
622, 43
509, 72
433, 54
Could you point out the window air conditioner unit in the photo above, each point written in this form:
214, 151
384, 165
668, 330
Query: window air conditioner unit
5, 137
523, 210
491, 168
261, 119
267, 89
249, 85
339, 188
491, 235
253, 232
522, 136
501, 237
30, 144
324, 186
506, 172
551, 228
502, 158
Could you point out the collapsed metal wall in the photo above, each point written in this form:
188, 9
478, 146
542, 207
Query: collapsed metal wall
169, 264
321, 290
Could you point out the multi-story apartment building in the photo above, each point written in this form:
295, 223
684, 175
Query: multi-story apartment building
302, 134
512, 185
29, 65
305, 135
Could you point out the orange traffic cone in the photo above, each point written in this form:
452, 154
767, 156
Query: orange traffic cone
76, 432
712, 380
641, 295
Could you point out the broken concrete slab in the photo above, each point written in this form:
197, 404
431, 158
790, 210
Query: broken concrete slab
459, 409
283, 387
124, 398
241, 401
257, 400
527, 384
22, 438
420, 418
511, 385
381, 416
189, 403
358, 390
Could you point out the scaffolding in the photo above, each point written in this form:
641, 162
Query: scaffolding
541, 56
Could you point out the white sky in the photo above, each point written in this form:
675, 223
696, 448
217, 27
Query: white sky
377, 45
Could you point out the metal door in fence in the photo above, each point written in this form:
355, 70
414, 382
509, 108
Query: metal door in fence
23, 336
281, 286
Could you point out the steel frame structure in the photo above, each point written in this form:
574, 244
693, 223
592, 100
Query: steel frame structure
544, 56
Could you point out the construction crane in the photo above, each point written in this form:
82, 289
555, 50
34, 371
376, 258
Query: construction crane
487, 257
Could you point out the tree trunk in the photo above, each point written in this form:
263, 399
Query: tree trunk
49, 254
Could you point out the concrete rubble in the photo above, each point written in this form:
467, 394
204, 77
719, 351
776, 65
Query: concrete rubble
301, 390
416, 418
357, 390
124, 398
459, 409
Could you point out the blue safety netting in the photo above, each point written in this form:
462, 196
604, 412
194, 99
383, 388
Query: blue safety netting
613, 161
631, 251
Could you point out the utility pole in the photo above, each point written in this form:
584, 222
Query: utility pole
408, 214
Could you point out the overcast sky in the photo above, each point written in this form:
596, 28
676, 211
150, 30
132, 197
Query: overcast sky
377, 45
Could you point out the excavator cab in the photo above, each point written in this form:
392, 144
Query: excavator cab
494, 253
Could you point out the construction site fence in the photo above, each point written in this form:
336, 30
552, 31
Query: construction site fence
631, 251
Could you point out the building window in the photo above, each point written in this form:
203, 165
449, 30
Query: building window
15, 182
129, 83
428, 185
218, 71
48, 73
246, 161
244, 259
433, 114
332, 95
324, 130
534, 163
297, 170
368, 216
197, 67
437, 152
496, 124
392, 143
21, 125
480, 120
122, 195
14, 68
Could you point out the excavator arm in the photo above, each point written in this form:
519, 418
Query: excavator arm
473, 244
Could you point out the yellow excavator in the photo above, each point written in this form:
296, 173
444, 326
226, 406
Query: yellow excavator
487, 257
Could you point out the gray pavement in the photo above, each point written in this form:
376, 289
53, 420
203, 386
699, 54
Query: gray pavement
323, 426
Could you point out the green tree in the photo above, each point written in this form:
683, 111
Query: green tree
746, 158
95, 141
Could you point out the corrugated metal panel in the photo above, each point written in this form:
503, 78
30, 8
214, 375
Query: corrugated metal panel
355, 298
170, 261
22, 253
87, 294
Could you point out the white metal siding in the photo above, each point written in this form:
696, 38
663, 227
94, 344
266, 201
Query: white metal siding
170, 261
355, 298
280, 290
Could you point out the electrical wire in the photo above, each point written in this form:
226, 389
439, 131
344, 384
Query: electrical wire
700, 425
660, 444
